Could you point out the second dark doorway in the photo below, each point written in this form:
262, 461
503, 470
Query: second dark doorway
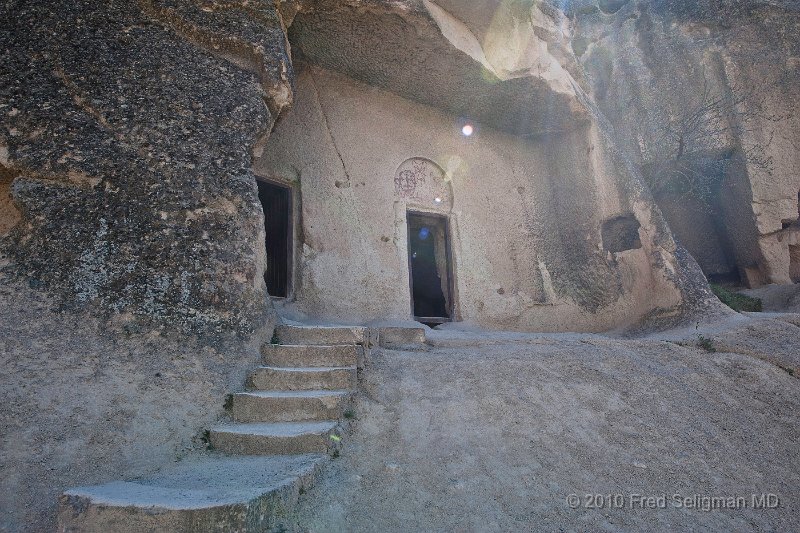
277, 202
429, 268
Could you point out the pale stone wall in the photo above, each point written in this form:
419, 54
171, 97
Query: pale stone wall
525, 216
775, 192
648, 63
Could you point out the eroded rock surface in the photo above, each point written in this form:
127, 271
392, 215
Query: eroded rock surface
703, 96
130, 128
504, 76
85, 403
523, 421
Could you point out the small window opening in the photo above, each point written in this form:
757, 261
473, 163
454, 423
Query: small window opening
621, 233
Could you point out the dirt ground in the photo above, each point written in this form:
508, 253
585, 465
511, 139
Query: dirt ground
495, 432
484, 431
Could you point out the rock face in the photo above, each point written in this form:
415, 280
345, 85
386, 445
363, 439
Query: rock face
131, 138
85, 402
526, 218
530, 197
703, 96
130, 129
138, 197
503, 76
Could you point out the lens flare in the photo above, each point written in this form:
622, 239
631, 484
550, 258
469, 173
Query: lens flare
467, 130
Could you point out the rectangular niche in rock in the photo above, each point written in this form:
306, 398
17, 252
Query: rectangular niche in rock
621, 233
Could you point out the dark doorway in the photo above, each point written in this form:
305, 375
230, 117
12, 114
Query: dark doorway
429, 268
276, 201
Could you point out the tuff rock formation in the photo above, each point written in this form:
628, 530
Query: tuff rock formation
132, 135
703, 96
130, 129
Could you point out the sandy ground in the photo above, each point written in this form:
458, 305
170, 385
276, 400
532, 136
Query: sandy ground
484, 431
494, 432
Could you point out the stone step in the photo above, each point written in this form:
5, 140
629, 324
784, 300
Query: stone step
275, 438
302, 378
202, 495
289, 406
321, 335
401, 337
287, 355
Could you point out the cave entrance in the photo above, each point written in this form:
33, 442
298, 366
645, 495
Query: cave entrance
276, 201
430, 268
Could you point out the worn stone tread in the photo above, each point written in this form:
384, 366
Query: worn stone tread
296, 393
271, 438
299, 369
328, 378
204, 483
310, 355
206, 495
321, 335
278, 429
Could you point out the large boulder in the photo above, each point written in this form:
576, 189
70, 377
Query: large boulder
130, 130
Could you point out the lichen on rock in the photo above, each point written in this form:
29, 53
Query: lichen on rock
131, 129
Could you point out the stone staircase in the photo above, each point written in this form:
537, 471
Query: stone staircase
284, 426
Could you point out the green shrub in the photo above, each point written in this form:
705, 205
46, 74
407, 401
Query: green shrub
706, 343
736, 301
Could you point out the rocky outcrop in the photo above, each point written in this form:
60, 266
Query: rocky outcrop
496, 68
132, 251
546, 191
130, 128
130, 131
145, 172
702, 96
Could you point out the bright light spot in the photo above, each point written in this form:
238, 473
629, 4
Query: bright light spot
437, 200
467, 130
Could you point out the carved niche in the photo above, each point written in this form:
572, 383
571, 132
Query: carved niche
421, 181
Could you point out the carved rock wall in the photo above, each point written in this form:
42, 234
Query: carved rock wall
732, 69
134, 254
526, 215
131, 293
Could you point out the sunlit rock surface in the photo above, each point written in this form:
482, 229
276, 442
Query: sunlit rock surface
706, 92
504, 76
